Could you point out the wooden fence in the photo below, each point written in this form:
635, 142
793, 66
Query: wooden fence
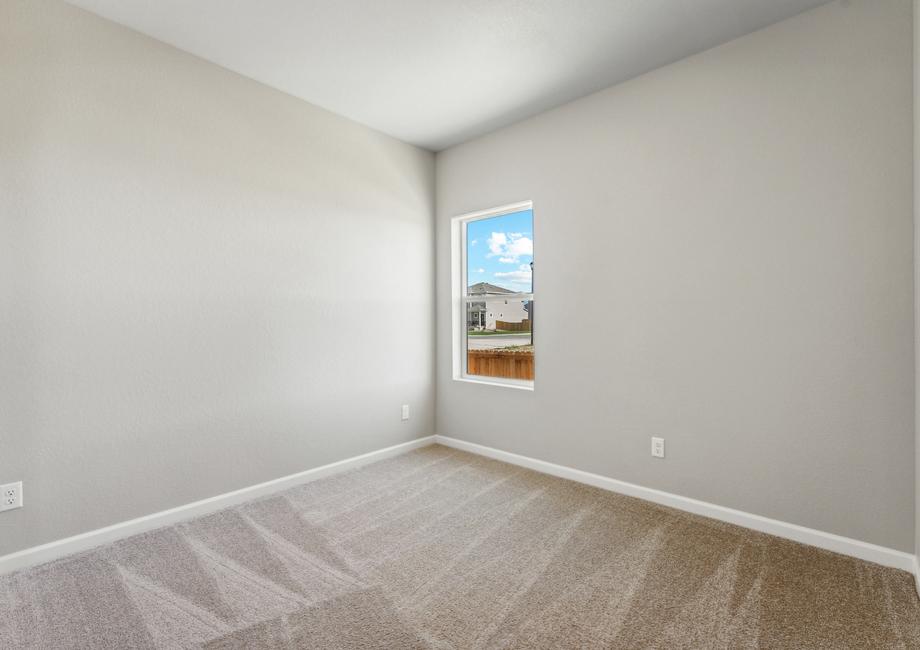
509, 364
523, 326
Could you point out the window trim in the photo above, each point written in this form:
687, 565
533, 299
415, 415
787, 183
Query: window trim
459, 281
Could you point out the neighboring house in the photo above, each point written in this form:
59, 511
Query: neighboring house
494, 307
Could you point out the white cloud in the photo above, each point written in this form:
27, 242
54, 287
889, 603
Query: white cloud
509, 246
473, 243
521, 246
497, 243
521, 277
480, 270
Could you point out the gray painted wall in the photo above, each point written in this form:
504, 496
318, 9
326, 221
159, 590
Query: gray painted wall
917, 278
734, 232
204, 283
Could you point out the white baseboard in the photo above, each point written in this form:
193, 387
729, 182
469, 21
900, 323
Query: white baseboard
85, 541
844, 545
917, 575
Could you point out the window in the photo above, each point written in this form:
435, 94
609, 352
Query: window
493, 296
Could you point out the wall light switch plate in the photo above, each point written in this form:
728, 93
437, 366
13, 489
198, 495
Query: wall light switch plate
10, 496
658, 447
405, 411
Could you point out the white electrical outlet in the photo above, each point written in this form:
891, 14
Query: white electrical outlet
405, 411
10, 496
658, 447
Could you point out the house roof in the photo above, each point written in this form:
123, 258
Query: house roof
484, 288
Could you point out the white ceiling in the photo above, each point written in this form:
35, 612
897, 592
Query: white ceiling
438, 72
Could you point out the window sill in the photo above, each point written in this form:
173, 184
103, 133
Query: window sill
528, 385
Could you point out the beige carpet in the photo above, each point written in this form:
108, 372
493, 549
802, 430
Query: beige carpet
442, 549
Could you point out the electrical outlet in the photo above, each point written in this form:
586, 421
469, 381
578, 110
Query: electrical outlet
405, 411
10, 496
658, 447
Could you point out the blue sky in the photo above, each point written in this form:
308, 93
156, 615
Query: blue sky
499, 250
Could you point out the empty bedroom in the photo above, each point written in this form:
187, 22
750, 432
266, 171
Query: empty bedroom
272, 373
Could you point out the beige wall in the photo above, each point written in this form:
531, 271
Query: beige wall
200, 278
735, 233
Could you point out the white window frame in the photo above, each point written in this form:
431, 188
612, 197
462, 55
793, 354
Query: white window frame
459, 299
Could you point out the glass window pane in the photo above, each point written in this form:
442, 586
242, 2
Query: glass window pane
499, 253
499, 328
500, 340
